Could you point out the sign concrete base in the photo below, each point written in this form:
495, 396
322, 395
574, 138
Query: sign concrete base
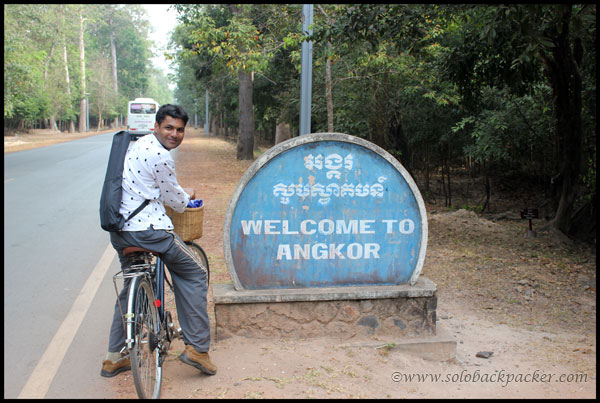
398, 311
441, 347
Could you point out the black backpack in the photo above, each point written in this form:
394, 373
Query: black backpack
110, 200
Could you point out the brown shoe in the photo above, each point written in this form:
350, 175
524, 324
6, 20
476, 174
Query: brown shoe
198, 360
112, 368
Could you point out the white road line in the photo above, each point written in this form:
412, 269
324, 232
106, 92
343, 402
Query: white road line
42, 376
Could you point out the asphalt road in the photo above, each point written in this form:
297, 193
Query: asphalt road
52, 244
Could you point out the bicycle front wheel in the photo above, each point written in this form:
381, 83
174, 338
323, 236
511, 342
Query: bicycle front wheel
199, 252
145, 355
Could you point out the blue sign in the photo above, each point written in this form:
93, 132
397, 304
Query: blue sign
325, 210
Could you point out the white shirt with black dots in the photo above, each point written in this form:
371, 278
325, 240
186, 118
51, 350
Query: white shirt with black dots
149, 174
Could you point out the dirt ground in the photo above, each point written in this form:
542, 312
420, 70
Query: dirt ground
529, 300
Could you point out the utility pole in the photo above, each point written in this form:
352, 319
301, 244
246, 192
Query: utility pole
306, 73
206, 125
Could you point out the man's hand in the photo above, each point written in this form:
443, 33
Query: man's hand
191, 192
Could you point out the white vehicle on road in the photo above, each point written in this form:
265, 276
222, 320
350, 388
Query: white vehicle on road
141, 115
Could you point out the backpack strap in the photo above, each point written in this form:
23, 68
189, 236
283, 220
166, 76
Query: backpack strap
137, 210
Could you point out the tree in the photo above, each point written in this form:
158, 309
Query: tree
23, 78
158, 87
102, 94
328, 84
246, 37
42, 35
47, 53
514, 44
83, 106
120, 34
234, 40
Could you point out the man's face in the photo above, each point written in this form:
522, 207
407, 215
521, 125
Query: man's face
170, 132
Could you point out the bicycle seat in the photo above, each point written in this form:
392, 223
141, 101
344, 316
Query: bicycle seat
132, 249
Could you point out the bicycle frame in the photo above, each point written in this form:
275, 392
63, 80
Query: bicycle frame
158, 282
155, 273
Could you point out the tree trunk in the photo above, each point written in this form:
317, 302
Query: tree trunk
328, 92
282, 132
328, 82
51, 123
449, 184
99, 120
443, 184
217, 117
71, 127
68, 81
563, 71
245, 144
82, 103
488, 189
113, 52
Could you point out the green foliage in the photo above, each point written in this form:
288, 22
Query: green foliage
158, 87
509, 130
234, 43
22, 73
36, 38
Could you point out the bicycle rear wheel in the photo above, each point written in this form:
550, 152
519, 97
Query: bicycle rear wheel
199, 252
145, 355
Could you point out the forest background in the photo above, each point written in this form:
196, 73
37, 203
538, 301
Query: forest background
506, 93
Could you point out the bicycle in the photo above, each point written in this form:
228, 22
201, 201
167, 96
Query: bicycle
149, 327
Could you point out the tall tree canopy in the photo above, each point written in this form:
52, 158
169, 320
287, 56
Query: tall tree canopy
44, 80
500, 88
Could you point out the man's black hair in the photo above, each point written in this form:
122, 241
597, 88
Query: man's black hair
174, 111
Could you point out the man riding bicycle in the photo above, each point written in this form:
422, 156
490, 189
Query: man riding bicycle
149, 174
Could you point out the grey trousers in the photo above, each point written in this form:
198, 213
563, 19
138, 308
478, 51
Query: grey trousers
189, 282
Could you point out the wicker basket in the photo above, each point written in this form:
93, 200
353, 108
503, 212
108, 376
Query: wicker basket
188, 225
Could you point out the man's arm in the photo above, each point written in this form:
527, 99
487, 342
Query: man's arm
171, 193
